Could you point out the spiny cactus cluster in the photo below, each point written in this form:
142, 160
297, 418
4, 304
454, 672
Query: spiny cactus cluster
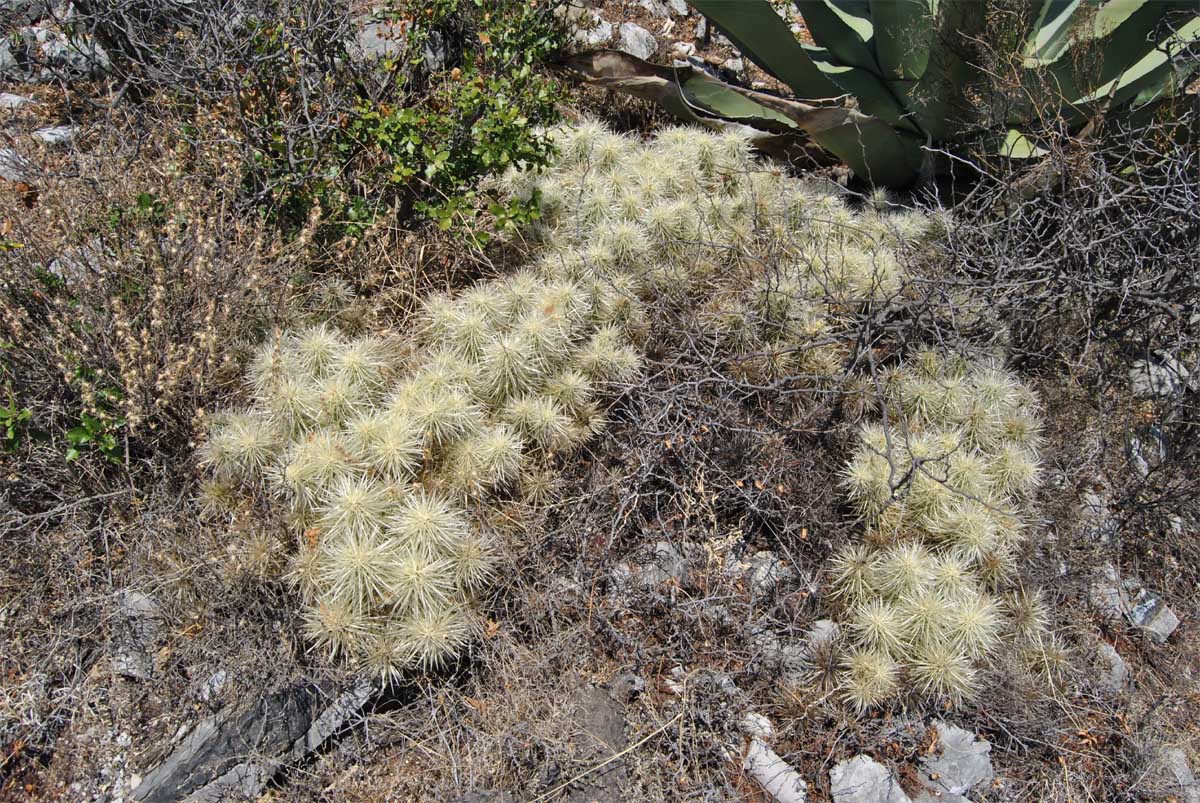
771, 259
942, 482
387, 453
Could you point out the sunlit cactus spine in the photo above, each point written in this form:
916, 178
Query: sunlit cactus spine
383, 456
930, 586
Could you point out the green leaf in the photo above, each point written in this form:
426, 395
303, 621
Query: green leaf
78, 436
1017, 146
903, 34
843, 27
759, 33
873, 95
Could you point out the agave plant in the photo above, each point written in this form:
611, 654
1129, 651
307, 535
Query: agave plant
883, 79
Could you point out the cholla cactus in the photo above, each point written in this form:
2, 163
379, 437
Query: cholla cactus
942, 484
775, 261
387, 465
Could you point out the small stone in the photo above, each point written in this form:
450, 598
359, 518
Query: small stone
1141, 607
763, 571
15, 167
1106, 594
960, 763
593, 32
655, 8
1149, 613
777, 778
679, 7
1147, 449
379, 40
636, 41
1112, 670
1178, 772
863, 780
1165, 377
823, 632
758, 86
213, 686
56, 135
9, 101
135, 634
702, 30
682, 50
735, 66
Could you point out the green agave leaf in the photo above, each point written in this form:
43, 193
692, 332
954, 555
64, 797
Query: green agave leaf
903, 34
937, 103
874, 96
1080, 22
763, 37
1051, 29
844, 28
1129, 61
1154, 75
873, 149
1018, 146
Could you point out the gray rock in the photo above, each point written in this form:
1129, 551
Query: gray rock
1100, 524
735, 66
1107, 595
1164, 377
15, 167
434, 51
655, 8
1142, 608
822, 633
235, 753
1149, 613
1112, 671
763, 571
81, 56
1147, 449
679, 7
636, 41
960, 763
75, 263
863, 780
681, 50
593, 31
23, 12
8, 101
702, 30
9, 66
134, 633
600, 729
777, 778
56, 135
665, 564
213, 686
1178, 773
378, 40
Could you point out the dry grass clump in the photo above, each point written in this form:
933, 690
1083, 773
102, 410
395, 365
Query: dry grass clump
388, 454
942, 482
